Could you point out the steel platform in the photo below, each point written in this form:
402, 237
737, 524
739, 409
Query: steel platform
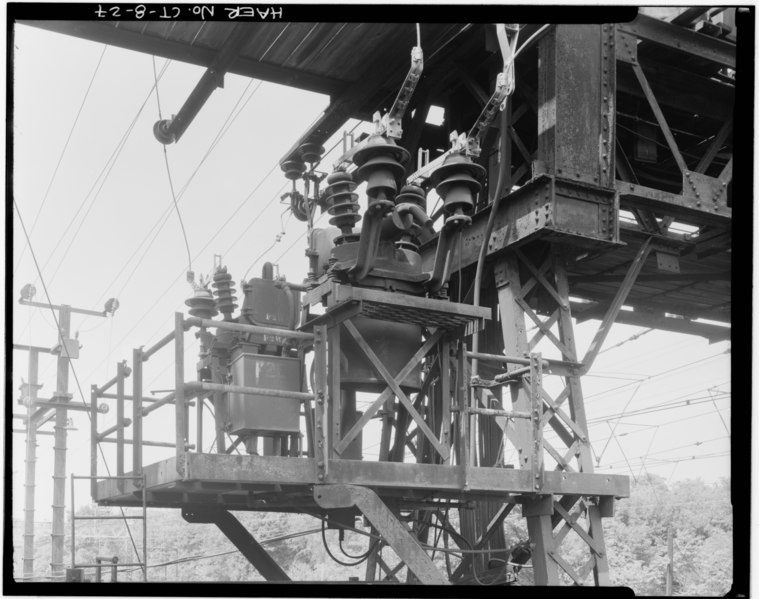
284, 484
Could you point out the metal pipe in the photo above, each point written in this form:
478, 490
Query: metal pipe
73, 528
494, 412
197, 386
128, 397
154, 348
125, 477
161, 402
146, 443
194, 321
502, 359
180, 415
137, 359
79, 406
124, 423
500, 378
108, 563
120, 418
93, 441
113, 381
171, 130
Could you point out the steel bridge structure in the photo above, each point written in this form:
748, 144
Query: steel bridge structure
610, 152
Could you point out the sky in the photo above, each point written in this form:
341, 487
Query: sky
97, 186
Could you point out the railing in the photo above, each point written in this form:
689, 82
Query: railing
112, 562
181, 398
323, 442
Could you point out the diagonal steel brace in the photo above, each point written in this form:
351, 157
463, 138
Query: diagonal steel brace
397, 536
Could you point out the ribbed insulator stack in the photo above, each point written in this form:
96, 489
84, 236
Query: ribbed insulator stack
381, 164
457, 181
224, 289
311, 152
202, 303
293, 169
342, 203
412, 194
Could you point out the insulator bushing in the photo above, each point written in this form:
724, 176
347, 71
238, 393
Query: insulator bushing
381, 164
457, 181
412, 194
202, 304
293, 169
311, 152
224, 289
342, 203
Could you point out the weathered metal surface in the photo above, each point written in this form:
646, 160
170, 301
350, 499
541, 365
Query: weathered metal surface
576, 94
688, 208
675, 37
396, 535
226, 470
398, 307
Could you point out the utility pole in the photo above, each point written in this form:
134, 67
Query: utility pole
59, 444
39, 412
29, 393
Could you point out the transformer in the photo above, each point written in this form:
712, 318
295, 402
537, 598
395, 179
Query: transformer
254, 360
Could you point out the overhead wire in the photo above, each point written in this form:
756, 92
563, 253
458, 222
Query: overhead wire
70, 362
104, 173
218, 231
60, 158
160, 223
168, 173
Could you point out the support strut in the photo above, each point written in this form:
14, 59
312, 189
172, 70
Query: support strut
402, 541
240, 538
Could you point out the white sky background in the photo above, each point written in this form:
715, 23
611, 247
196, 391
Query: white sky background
52, 73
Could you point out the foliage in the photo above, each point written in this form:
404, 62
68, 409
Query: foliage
699, 517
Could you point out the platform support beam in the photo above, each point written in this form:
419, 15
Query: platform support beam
240, 538
398, 537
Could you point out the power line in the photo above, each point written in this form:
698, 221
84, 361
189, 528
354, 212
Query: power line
161, 222
110, 163
168, 173
70, 363
60, 158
